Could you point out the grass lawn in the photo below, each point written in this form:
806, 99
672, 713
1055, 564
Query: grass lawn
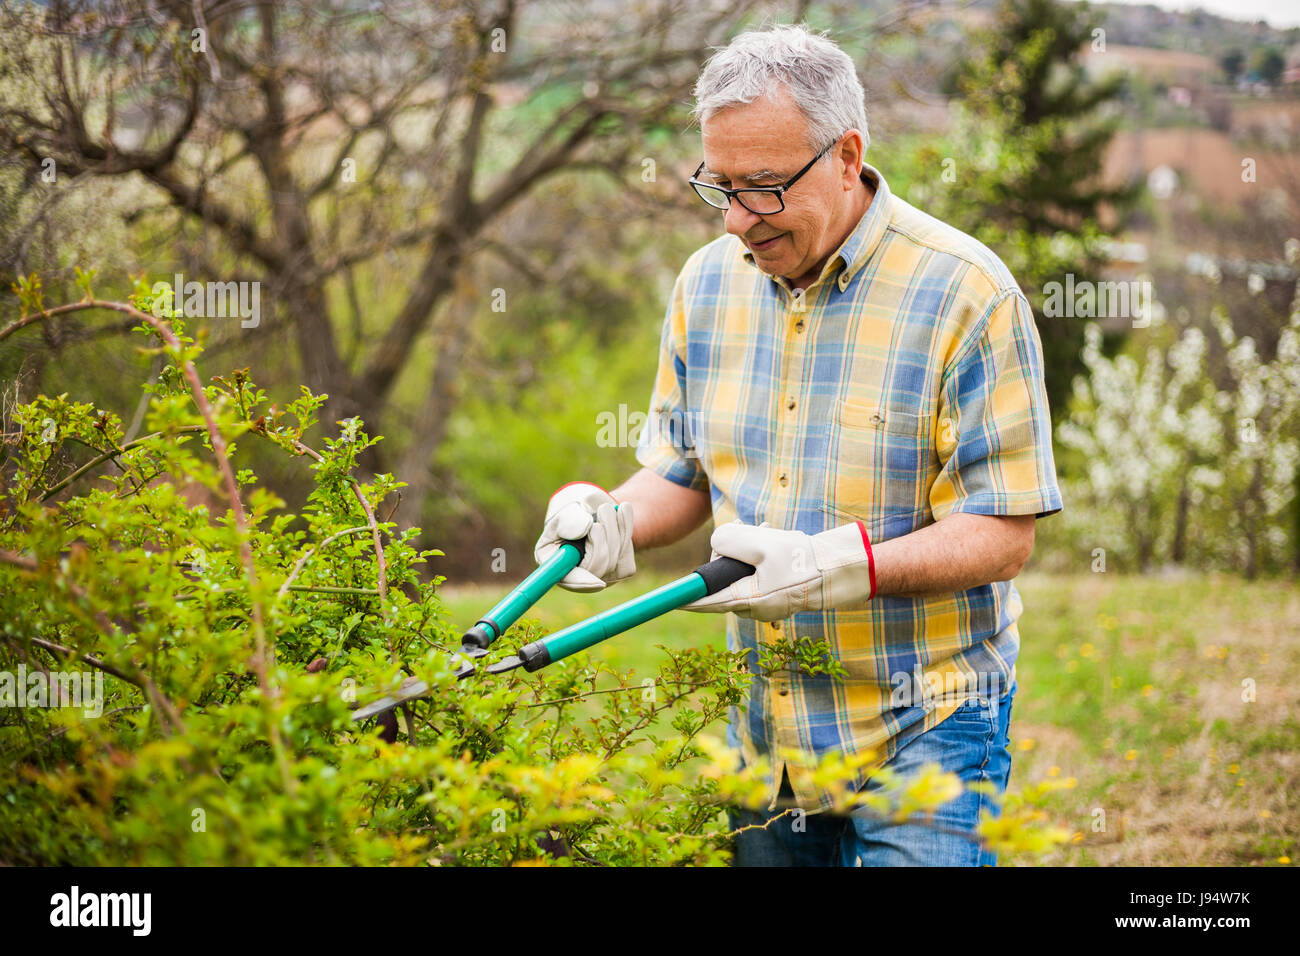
1140, 689
1173, 703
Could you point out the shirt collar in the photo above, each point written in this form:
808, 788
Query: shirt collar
855, 251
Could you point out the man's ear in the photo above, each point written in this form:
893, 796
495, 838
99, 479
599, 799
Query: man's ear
850, 154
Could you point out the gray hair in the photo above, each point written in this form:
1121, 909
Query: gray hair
818, 74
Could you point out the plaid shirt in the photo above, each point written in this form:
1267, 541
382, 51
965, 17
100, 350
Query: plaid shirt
904, 385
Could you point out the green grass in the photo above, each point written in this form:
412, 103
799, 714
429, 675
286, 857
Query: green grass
1133, 687
1138, 688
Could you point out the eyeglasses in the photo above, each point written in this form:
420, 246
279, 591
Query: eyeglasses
760, 200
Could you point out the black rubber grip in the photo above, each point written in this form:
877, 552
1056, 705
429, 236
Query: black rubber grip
535, 655
479, 635
723, 572
579, 543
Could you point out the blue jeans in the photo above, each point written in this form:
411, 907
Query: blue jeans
971, 743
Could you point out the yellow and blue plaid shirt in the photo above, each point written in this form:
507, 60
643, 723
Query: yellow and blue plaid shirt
904, 385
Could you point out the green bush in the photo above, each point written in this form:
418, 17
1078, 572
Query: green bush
232, 637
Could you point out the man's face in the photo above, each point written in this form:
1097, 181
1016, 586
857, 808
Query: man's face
764, 143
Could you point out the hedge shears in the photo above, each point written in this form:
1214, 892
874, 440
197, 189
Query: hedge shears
476, 641
705, 580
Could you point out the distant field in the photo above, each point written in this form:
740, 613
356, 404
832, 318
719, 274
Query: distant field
1132, 686
1167, 64
1207, 160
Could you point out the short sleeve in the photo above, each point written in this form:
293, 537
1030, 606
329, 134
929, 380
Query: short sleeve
665, 445
994, 426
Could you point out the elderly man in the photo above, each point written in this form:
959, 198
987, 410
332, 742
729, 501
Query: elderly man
855, 391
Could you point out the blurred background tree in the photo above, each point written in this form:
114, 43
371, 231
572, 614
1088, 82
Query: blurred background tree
1027, 157
396, 176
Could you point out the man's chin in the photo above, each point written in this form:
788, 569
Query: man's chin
779, 267
773, 263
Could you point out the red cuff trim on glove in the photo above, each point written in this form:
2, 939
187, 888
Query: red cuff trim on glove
871, 559
579, 482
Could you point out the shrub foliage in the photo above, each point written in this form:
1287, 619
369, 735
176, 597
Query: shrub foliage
232, 637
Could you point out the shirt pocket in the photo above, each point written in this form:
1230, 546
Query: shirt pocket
876, 468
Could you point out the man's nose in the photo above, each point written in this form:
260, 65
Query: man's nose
739, 220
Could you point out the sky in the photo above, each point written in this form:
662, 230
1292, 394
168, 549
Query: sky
1278, 13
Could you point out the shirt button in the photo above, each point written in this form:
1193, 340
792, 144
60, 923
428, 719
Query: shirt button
776, 625
783, 480
784, 692
798, 326
790, 404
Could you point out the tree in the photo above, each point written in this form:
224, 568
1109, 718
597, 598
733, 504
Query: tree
1232, 62
319, 148
1269, 63
1189, 445
1027, 153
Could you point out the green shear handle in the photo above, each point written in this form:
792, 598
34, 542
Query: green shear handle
705, 580
528, 592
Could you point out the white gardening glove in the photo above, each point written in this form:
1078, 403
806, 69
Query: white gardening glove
795, 571
583, 510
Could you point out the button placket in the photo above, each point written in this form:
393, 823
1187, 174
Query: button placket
781, 701
789, 386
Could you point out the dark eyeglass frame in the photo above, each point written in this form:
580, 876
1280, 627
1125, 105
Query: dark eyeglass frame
777, 191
